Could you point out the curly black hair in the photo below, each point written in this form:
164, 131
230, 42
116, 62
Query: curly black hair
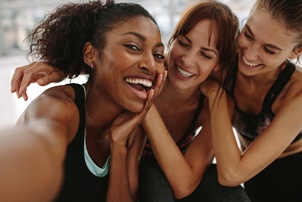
62, 34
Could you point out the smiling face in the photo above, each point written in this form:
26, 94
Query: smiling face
129, 64
193, 56
264, 44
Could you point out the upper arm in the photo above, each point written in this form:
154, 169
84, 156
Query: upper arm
53, 117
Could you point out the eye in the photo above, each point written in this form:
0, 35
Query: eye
159, 56
269, 51
248, 36
132, 47
205, 55
182, 43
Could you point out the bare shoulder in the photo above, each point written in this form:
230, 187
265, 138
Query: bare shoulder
56, 99
291, 93
54, 106
64, 93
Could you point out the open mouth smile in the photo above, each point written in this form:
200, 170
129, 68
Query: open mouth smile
139, 86
184, 73
249, 63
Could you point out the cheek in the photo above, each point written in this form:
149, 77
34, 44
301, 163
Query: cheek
160, 67
205, 71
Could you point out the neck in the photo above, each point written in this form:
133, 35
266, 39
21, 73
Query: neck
260, 80
178, 97
100, 111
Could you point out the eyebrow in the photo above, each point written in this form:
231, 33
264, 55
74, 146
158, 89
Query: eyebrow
266, 44
142, 38
203, 48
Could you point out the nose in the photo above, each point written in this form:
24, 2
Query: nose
148, 64
188, 59
252, 52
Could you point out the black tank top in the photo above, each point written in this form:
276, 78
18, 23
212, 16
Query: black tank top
79, 183
250, 126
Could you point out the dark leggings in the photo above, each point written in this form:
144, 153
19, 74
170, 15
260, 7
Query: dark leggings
154, 187
279, 182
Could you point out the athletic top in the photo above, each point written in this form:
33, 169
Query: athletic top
188, 136
79, 183
250, 126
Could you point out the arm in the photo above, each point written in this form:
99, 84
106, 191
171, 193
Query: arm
124, 168
235, 168
39, 72
125, 150
27, 173
32, 154
184, 172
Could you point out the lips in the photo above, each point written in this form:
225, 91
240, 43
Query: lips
144, 82
184, 73
250, 63
139, 86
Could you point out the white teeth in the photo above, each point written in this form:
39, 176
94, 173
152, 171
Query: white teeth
249, 63
143, 82
184, 73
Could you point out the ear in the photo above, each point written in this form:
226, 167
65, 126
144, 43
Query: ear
296, 53
216, 68
88, 53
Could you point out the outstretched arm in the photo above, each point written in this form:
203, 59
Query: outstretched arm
27, 173
33, 152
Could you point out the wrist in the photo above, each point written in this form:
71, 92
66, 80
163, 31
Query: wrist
118, 149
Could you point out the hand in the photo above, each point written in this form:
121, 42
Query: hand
160, 82
39, 72
127, 121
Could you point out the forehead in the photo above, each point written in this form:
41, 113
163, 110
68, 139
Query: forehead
268, 29
205, 32
141, 25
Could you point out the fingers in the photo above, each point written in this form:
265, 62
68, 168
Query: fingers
53, 76
24, 95
122, 127
36, 72
27, 78
16, 78
19, 81
148, 104
126, 122
39, 72
160, 82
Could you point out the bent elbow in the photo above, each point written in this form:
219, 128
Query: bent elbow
229, 179
184, 190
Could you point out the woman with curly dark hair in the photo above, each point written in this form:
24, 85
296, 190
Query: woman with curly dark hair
78, 141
